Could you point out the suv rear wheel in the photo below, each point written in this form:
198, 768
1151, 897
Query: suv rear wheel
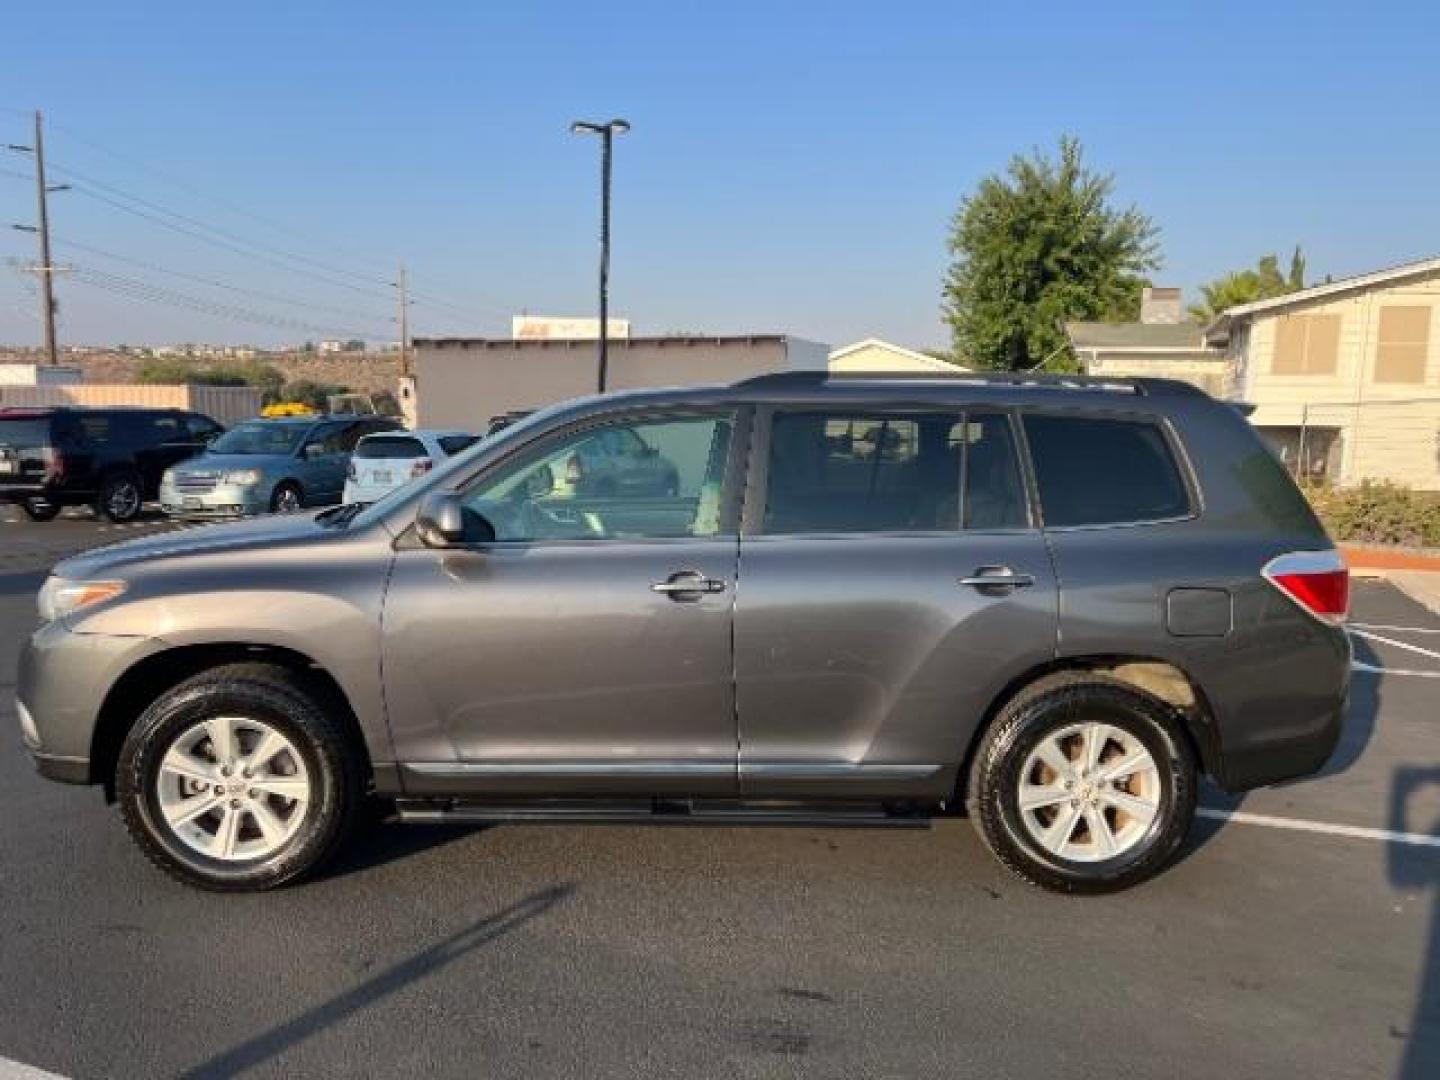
237, 780
1083, 784
119, 498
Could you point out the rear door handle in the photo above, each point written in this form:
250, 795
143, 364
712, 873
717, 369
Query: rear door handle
997, 577
688, 585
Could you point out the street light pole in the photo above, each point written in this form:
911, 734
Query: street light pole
607, 132
47, 268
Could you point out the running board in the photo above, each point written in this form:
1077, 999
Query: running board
657, 812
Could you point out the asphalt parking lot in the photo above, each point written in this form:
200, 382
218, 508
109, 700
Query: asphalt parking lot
1298, 936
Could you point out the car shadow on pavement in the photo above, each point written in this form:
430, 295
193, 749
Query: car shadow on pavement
1418, 869
379, 842
279, 1039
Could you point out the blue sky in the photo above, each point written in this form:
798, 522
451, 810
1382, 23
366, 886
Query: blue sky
792, 167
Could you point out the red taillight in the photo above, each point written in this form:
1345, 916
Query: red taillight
1319, 581
574, 469
55, 464
421, 467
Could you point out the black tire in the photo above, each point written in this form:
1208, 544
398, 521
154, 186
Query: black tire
40, 510
992, 796
120, 498
284, 491
282, 699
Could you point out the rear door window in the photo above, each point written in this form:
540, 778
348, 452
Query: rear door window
1104, 471
863, 472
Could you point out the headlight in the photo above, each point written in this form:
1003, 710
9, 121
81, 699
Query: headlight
60, 596
244, 477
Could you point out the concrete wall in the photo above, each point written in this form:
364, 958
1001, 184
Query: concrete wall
1388, 430
227, 404
464, 383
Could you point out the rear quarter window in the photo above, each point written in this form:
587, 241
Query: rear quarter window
1104, 471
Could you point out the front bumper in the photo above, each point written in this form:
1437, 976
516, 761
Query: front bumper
221, 501
60, 689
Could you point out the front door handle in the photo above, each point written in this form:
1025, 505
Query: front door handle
997, 577
688, 585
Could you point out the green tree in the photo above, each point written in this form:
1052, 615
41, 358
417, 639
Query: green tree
1246, 286
1037, 246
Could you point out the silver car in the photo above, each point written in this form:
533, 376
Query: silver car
268, 466
1050, 604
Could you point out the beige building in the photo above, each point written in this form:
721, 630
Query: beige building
1160, 345
463, 382
1345, 376
872, 354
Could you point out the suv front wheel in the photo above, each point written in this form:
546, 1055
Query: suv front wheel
1083, 784
238, 780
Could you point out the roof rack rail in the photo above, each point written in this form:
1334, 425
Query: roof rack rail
1017, 379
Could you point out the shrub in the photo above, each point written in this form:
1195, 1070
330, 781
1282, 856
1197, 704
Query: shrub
1378, 513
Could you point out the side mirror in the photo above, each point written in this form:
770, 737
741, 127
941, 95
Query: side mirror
443, 521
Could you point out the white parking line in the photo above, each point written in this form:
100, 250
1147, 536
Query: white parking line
1371, 669
14, 1070
1394, 629
1371, 636
1354, 832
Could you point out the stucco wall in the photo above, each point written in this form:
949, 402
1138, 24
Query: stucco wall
464, 384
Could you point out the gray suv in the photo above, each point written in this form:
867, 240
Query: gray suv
1052, 604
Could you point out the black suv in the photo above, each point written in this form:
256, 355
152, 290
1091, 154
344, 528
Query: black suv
111, 459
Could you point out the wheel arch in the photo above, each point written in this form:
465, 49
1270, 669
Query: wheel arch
151, 676
1153, 676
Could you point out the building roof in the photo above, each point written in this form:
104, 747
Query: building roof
1136, 336
1220, 328
614, 343
924, 360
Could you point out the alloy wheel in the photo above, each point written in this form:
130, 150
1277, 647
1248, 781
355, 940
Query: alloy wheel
233, 788
1089, 792
122, 501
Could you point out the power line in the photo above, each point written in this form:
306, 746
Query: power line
257, 294
432, 301
136, 289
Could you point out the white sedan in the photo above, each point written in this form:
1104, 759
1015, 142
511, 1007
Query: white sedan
383, 462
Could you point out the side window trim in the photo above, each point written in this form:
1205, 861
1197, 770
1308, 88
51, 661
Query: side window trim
1183, 466
732, 488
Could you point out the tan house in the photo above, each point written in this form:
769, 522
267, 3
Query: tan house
1161, 345
872, 354
1345, 376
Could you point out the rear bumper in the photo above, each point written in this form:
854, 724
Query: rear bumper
20, 493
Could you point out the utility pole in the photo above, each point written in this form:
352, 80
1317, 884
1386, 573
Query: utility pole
404, 323
607, 133
46, 269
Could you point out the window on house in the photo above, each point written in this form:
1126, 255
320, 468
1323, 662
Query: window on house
1306, 344
1404, 339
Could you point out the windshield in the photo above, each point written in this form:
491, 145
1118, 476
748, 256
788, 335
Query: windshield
260, 437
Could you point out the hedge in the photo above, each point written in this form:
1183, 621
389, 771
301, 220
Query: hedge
1378, 513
